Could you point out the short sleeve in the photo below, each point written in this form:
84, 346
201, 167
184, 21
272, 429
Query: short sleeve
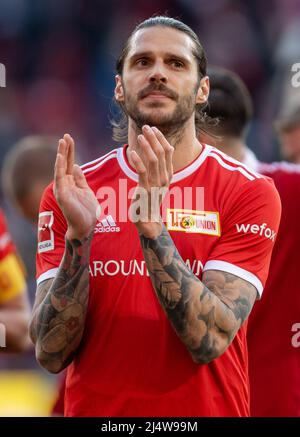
248, 233
52, 228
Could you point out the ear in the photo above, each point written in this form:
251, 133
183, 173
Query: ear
203, 90
119, 92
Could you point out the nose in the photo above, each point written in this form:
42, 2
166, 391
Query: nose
158, 73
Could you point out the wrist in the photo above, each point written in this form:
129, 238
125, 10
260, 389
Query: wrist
76, 235
150, 230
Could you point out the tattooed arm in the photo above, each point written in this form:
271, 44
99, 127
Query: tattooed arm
206, 315
60, 309
61, 303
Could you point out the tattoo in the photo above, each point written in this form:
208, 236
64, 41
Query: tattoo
206, 315
58, 317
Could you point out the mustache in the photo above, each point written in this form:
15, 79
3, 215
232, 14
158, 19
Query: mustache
157, 87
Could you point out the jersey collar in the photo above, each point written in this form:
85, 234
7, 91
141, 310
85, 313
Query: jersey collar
178, 176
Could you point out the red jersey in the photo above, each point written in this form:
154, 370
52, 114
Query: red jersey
221, 216
274, 323
6, 244
12, 281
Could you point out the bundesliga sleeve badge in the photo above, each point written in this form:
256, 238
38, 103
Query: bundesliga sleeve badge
45, 232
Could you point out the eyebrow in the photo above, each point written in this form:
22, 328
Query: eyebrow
148, 54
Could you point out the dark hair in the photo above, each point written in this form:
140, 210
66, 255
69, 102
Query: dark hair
229, 101
120, 126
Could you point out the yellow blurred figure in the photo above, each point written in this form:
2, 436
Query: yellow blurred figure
14, 306
25, 393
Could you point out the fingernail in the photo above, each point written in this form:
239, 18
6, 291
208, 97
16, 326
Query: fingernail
147, 128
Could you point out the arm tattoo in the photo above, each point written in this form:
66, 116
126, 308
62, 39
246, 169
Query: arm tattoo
206, 315
58, 322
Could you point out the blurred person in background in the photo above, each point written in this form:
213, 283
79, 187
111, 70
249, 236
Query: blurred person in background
27, 170
288, 130
174, 343
14, 304
274, 361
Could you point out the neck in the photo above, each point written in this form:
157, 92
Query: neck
232, 146
185, 143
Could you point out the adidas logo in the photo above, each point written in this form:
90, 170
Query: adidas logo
106, 225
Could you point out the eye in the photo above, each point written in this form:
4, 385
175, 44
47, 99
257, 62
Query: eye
176, 63
142, 62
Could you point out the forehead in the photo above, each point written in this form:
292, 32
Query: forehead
159, 40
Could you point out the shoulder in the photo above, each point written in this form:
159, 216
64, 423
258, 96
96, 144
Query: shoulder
4, 233
104, 161
6, 243
286, 177
284, 174
241, 185
279, 167
229, 167
89, 169
2, 222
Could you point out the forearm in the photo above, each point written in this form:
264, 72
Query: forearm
201, 319
15, 328
58, 322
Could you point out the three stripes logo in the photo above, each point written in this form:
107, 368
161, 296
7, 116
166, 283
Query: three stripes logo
106, 225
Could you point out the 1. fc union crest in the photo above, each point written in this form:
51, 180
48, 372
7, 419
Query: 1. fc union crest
198, 222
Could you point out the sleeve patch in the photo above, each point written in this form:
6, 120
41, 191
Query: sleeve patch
45, 232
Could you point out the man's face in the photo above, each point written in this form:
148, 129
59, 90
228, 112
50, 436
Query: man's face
159, 85
290, 145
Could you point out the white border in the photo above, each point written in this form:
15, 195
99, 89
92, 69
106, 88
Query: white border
237, 271
47, 275
88, 169
83, 166
190, 169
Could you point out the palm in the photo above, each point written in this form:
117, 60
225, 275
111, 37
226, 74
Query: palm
78, 204
75, 198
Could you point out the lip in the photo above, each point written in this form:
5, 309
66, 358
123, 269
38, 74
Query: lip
155, 95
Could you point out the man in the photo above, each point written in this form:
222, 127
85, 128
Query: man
172, 344
14, 307
288, 129
274, 359
27, 170
230, 103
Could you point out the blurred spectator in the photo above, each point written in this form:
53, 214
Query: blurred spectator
14, 307
274, 360
288, 129
27, 170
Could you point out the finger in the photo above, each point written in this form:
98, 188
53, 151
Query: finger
79, 177
153, 141
159, 152
70, 158
140, 169
60, 163
150, 161
169, 150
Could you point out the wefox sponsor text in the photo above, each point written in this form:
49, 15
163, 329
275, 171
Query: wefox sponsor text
257, 229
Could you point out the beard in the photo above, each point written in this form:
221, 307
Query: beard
169, 123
